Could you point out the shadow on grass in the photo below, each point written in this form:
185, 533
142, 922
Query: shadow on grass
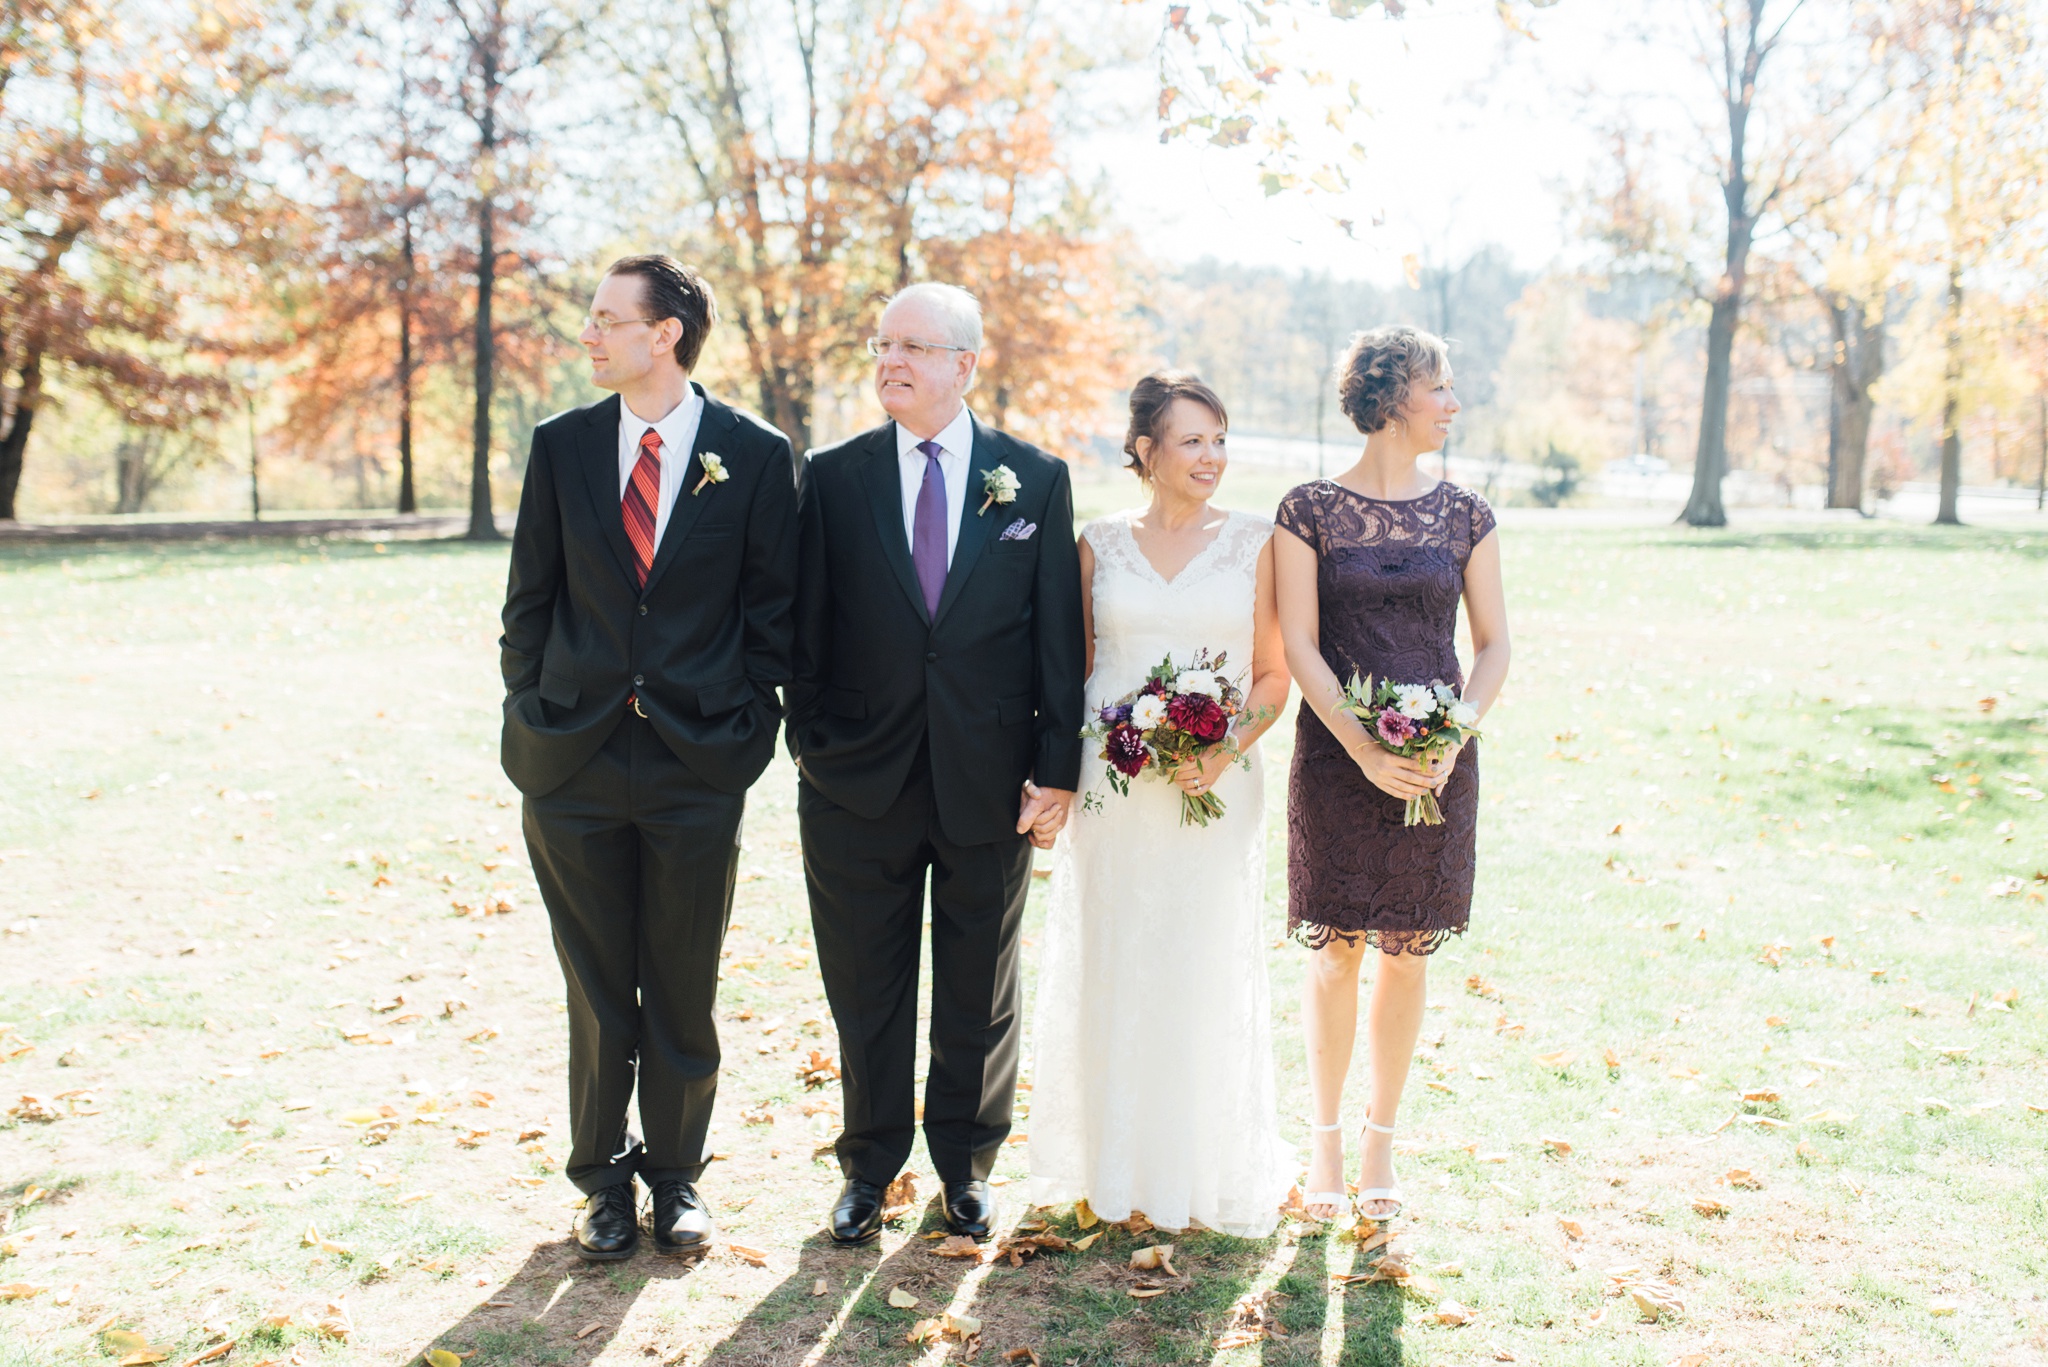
532, 1319
1373, 1314
851, 1321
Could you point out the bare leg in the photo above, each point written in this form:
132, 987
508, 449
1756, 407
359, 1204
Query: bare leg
1399, 996
1330, 1021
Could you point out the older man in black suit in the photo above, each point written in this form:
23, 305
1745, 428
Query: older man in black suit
647, 629
935, 720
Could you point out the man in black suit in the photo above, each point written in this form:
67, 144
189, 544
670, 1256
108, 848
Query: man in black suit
647, 628
935, 720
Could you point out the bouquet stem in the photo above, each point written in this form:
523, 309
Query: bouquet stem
1423, 811
1200, 811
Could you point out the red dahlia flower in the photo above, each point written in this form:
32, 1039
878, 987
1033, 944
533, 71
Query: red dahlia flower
1200, 717
1124, 748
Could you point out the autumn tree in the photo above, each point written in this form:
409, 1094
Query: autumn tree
502, 50
128, 203
373, 298
920, 140
1970, 72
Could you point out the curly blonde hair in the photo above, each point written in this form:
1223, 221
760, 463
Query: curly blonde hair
1379, 369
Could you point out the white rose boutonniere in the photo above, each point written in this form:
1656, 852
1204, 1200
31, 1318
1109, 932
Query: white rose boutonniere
1000, 484
714, 472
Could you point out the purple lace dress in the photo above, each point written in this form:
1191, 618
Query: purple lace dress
1389, 576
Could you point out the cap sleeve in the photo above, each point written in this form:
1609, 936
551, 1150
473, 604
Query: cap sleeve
1482, 520
1298, 515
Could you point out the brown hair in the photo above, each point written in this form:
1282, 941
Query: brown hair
669, 289
1153, 396
1379, 369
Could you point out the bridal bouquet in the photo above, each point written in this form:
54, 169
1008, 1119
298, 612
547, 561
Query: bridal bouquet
1178, 712
1415, 721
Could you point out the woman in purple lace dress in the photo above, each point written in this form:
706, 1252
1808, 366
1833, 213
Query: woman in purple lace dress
1370, 568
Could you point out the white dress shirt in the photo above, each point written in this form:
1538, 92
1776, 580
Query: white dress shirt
678, 437
956, 441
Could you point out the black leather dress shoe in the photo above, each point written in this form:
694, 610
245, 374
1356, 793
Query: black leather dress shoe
857, 1215
608, 1231
682, 1225
970, 1208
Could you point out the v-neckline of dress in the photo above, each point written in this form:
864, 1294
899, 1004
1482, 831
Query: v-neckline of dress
1193, 560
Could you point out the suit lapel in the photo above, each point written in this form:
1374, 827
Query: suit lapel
600, 459
712, 426
974, 530
884, 481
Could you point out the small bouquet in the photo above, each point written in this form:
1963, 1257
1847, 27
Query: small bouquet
1415, 721
1177, 713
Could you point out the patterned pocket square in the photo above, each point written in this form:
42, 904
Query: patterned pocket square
1020, 530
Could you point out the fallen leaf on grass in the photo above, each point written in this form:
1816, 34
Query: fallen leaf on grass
1690, 1360
902, 1299
1572, 1228
1708, 1206
900, 1196
1558, 1148
21, 1291
34, 1108
819, 1288
1084, 1244
1479, 987
958, 1246
1761, 1097
1084, 1215
1743, 1178
441, 1357
1656, 1300
219, 1350
591, 1328
1156, 1258
752, 1257
1453, 1314
1022, 1355
1561, 1059
1941, 1307
1145, 1291
143, 1357
1829, 1118
1612, 1060
819, 1069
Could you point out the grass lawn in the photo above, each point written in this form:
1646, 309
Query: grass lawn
1761, 892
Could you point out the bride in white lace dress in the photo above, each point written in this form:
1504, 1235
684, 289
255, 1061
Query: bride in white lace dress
1152, 1069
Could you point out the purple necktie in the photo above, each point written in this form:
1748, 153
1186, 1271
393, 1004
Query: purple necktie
928, 529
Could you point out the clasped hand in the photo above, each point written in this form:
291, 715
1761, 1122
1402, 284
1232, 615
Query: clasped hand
1042, 812
1399, 776
1198, 775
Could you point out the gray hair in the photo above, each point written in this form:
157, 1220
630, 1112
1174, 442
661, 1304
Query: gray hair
959, 310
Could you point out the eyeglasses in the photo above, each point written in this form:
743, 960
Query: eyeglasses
603, 326
909, 348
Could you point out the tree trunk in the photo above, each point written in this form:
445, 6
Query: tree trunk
1710, 460
15, 440
1952, 406
407, 501
482, 526
1858, 362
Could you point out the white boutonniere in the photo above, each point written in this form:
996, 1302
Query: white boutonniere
1000, 484
714, 472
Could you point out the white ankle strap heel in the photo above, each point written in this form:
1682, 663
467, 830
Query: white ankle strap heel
1388, 1194
1337, 1199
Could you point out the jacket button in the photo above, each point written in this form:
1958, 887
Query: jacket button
643, 609
931, 655
639, 681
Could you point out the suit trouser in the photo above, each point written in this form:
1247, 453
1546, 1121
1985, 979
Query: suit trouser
635, 857
867, 887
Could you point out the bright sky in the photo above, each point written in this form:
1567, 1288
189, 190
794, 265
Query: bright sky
1478, 136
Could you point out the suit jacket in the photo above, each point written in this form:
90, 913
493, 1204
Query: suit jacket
704, 646
992, 681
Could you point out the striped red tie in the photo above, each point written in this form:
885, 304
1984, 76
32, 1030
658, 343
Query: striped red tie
643, 496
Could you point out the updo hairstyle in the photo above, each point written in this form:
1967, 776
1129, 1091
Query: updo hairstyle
1379, 369
1151, 399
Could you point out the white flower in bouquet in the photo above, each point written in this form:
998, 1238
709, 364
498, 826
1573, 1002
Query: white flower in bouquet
1203, 681
1147, 712
1464, 714
1414, 701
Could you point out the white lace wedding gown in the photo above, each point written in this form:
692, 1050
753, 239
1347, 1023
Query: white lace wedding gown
1152, 1073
